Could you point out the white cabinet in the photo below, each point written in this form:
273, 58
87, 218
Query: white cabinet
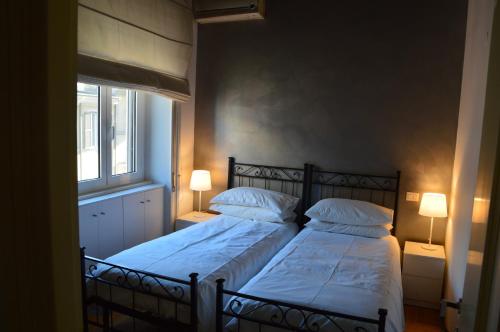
133, 220
423, 272
153, 225
110, 227
89, 230
118, 221
143, 217
192, 218
101, 228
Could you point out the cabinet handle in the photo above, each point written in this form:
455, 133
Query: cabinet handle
94, 215
142, 202
148, 200
103, 213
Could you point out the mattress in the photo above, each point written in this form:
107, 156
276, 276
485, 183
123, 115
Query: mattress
224, 247
334, 272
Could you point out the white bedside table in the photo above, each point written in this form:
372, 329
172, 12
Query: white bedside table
423, 272
192, 218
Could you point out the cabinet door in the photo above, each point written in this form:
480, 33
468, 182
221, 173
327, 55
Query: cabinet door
423, 266
181, 224
154, 214
110, 226
422, 291
89, 230
133, 219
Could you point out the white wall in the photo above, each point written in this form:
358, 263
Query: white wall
158, 145
158, 149
186, 138
477, 45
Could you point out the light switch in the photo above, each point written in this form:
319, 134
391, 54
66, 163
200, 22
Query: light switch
412, 197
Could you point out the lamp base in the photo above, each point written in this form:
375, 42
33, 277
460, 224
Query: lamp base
429, 247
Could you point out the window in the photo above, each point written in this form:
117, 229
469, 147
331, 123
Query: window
109, 140
88, 131
123, 131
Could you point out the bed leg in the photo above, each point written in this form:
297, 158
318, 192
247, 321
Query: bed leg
219, 305
194, 301
84, 291
382, 314
230, 172
105, 319
306, 192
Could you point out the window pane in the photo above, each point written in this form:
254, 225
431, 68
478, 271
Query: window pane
88, 114
123, 131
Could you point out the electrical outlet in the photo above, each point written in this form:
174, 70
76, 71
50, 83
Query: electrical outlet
412, 197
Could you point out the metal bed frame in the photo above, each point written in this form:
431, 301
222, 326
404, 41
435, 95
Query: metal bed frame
289, 180
99, 307
378, 189
382, 190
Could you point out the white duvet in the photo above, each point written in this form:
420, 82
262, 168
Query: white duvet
225, 247
335, 272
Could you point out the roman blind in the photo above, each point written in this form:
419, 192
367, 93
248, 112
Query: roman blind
142, 44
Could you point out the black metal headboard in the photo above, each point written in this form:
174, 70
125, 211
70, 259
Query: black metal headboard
289, 180
381, 190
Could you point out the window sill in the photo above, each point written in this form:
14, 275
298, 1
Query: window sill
112, 191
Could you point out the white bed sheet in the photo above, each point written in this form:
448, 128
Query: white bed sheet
224, 247
335, 272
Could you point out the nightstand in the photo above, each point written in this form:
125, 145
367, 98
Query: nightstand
423, 272
192, 218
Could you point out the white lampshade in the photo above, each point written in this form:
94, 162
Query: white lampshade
200, 180
433, 205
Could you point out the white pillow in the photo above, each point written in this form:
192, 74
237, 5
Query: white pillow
350, 212
257, 197
377, 231
253, 213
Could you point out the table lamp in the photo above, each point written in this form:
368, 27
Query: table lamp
432, 205
200, 181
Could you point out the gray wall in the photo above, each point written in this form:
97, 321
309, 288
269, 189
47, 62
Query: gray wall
359, 86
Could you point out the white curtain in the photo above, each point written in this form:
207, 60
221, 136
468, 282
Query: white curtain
143, 44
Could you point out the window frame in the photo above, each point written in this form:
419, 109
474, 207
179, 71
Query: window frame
86, 186
106, 180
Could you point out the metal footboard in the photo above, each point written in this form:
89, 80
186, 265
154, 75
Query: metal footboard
285, 316
114, 299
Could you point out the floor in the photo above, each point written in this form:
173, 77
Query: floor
417, 320
421, 319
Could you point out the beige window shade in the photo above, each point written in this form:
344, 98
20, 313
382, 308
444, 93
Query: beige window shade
143, 44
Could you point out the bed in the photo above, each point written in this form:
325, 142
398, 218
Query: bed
322, 281
169, 282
